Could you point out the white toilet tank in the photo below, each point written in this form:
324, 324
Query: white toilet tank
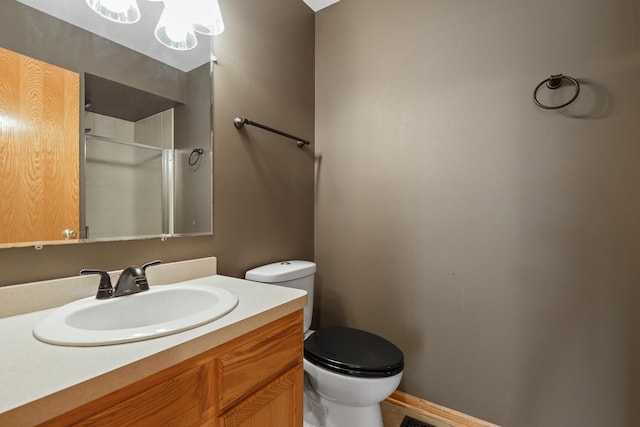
292, 274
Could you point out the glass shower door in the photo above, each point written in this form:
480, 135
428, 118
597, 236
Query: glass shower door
127, 189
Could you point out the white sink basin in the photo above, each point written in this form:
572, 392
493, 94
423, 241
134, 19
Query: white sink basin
160, 311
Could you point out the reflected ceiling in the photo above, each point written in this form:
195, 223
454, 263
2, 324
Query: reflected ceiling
138, 36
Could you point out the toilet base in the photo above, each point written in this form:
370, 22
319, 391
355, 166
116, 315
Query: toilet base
321, 412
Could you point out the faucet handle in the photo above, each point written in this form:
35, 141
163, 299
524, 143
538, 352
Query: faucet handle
142, 282
149, 264
105, 290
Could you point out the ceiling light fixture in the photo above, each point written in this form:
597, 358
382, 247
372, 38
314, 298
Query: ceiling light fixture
206, 17
121, 11
175, 29
179, 22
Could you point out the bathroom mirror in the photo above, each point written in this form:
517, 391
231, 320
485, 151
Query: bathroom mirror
137, 117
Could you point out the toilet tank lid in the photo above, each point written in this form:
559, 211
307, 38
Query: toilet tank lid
281, 271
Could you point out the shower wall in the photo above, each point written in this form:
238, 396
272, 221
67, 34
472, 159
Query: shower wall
123, 183
496, 243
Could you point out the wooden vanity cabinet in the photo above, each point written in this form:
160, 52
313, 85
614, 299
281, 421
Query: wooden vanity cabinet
278, 404
252, 381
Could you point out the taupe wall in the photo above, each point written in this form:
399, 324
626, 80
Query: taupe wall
496, 243
192, 182
263, 186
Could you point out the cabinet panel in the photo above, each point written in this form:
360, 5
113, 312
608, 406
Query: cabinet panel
251, 364
179, 398
277, 404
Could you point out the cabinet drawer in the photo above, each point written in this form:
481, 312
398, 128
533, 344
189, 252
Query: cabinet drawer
257, 359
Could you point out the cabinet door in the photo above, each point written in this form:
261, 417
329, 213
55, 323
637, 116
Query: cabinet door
181, 399
277, 404
39, 149
255, 360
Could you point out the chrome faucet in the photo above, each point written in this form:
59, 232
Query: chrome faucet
132, 280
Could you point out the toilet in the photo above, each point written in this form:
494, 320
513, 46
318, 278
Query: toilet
348, 372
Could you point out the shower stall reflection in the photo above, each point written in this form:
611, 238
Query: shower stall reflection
128, 189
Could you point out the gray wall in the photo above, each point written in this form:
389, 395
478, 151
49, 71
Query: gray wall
192, 182
263, 185
496, 243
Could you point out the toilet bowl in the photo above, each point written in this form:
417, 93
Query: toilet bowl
348, 372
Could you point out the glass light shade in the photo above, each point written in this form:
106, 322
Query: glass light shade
122, 11
175, 28
206, 17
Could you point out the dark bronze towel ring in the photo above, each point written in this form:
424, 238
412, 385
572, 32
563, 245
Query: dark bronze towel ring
554, 82
195, 156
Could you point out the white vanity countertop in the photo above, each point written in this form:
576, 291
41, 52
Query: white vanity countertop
39, 381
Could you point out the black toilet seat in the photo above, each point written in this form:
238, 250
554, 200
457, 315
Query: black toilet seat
353, 352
